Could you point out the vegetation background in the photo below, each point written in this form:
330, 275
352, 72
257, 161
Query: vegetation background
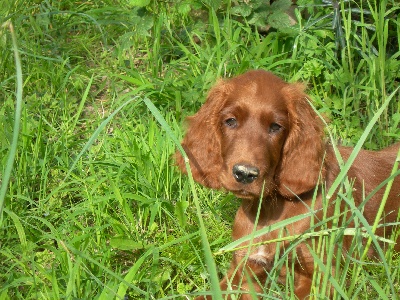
92, 206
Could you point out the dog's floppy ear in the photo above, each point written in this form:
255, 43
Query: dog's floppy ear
303, 151
202, 139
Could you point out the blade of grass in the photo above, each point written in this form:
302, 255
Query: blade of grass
371, 235
357, 148
19, 228
71, 250
17, 122
82, 103
96, 134
235, 245
211, 266
123, 287
384, 199
323, 267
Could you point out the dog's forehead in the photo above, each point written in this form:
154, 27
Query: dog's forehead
264, 90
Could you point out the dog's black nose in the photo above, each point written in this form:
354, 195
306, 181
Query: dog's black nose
245, 173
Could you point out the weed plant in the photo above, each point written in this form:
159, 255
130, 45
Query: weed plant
93, 97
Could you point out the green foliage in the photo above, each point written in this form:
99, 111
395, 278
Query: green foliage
260, 13
95, 208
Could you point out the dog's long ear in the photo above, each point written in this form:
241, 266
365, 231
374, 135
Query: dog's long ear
202, 139
303, 152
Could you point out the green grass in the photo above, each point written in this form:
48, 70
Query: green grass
93, 207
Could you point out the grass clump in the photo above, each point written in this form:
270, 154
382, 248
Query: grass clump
93, 206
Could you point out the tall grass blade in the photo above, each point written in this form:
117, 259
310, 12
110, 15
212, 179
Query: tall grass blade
19, 228
81, 104
94, 136
123, 287
211, 266
357, 147
17, 122
70, 249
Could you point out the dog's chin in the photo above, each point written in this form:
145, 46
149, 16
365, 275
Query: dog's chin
244, 193
248, 192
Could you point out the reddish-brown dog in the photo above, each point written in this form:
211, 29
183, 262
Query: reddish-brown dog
257, 136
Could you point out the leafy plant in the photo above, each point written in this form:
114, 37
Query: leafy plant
262, 14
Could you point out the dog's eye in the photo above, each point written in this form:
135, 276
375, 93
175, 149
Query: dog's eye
231, 122
274, 128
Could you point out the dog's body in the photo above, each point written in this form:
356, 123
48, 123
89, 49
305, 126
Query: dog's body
258, 137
